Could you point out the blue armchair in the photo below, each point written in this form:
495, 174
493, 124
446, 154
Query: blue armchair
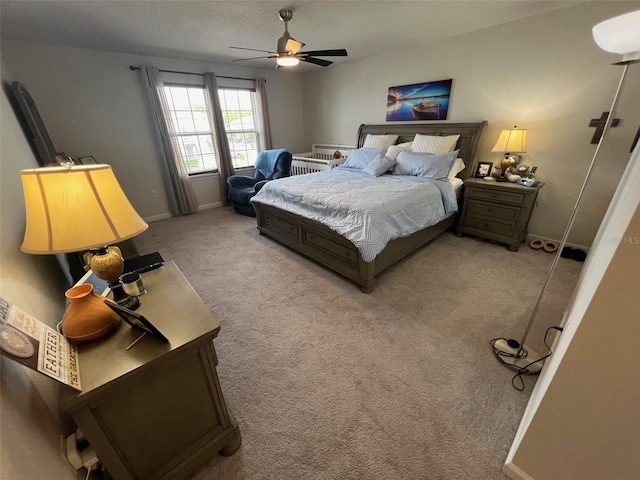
270, 165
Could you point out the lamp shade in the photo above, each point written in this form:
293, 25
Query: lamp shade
75, 209
511, 141
619, 34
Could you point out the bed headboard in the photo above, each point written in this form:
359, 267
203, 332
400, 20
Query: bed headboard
467, 143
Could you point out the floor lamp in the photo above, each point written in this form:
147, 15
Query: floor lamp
617, 35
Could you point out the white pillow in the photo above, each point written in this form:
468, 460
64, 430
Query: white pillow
434, 143
394, 150
458, 166
379, 141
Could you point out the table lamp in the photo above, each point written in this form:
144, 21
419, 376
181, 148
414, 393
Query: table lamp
76, 208
620, 35
510, 142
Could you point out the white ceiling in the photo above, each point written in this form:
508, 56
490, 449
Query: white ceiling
204, 30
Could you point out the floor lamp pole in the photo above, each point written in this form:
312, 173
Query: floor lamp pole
516, 355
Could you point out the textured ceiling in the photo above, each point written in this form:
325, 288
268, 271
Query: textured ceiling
204, 30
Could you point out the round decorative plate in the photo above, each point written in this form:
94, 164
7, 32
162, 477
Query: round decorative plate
16, 343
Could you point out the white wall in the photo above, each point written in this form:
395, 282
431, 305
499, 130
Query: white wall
92, 104
543, 73
582, 421
29, 436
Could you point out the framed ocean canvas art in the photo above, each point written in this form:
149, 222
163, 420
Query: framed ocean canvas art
419, 101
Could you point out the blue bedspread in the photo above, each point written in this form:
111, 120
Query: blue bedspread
369, 211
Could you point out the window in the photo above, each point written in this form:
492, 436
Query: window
188, 112
240, 116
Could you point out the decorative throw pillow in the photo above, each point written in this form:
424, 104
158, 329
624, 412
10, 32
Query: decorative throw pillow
394, 150
379, 141
361, 157
434, 143
379, 166
429, 165
458, 166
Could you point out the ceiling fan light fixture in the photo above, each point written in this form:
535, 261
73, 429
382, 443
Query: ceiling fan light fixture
288, 53
287, 61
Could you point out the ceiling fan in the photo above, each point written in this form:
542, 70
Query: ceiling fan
288, 52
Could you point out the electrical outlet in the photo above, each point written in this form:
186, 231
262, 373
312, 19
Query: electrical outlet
63, 453
154, 193
74, 457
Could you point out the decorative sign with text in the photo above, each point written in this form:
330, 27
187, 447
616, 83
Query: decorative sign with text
30, 342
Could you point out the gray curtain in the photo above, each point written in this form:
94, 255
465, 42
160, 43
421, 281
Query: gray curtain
221, 142
263, 114
183, 200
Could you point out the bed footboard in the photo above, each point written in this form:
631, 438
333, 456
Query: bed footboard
335, 252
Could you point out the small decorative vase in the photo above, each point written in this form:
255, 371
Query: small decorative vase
87, 317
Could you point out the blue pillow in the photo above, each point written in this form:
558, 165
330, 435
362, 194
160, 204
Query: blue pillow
361, 157
429, 165
379, 166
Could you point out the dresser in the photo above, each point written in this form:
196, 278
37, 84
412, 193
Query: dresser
497, 211
157, 410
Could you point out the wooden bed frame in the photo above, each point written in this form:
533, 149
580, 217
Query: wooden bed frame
334, 251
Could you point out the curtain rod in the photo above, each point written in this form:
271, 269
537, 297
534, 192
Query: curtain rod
133, 67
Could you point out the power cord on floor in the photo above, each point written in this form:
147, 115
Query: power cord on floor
525, 369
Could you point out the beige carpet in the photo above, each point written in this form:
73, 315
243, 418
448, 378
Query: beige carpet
329, 383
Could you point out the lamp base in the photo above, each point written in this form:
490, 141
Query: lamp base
522, 359
122, 298
502, 177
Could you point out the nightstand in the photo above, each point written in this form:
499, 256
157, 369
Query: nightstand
155, 411
497, 211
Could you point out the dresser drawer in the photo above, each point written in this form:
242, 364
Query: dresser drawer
278, 224
489, 226
347, 254
514, 198
487, 209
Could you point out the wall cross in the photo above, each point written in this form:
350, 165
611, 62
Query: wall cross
599, 124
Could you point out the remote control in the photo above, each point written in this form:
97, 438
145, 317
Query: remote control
146, 268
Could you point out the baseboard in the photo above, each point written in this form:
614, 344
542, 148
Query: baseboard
210, 205
155, 218
164, 216
514, 473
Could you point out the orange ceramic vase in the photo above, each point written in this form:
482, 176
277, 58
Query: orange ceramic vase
87, 317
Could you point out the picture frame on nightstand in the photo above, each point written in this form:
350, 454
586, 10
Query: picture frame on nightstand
483, 169
136, 320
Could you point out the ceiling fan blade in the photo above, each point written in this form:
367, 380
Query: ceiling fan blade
317, 61
252, 49
252, 58
326, 53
